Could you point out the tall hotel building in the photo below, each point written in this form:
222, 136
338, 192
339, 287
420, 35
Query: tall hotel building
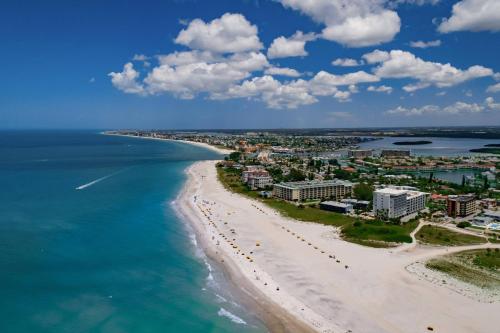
395, 203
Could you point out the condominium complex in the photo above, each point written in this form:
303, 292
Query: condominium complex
255, 176
461, 205
395, 203
255, 182
358, 153
309, 190
393, 153
253, 170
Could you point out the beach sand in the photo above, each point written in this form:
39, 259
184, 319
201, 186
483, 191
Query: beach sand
220, 150
304, 277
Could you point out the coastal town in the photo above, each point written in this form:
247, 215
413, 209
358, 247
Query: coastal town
316, 223
250, 166
332, 173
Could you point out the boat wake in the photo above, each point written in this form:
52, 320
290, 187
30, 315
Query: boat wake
84, 186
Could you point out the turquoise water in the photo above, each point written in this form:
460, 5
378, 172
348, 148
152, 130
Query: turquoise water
111, 256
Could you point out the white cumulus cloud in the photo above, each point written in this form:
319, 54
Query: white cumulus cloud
402, 64
126, 80
455, 108
346, 62
423, 45
354, 23
473, 15
382, 89
293, 46
230, 33
284, 71
494, 88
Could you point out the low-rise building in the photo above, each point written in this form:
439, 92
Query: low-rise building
255, 182
310, 190
394, 153
396, 203
495, 215
461, 205
481, 221
255, 172
359, 153
357, 204
335, 206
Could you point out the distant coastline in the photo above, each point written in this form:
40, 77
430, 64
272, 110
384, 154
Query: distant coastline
219, 150
412, 143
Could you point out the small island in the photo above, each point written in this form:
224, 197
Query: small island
412, 143
490, 148
486, 150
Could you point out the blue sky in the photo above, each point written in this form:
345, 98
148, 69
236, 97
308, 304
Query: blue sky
249, 64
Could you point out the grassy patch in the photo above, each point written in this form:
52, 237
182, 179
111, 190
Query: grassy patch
478, 267
231, 179
309, 213
371, 233
435, 235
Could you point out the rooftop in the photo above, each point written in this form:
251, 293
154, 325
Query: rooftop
315, 183
391, 191
336, 204
464, 198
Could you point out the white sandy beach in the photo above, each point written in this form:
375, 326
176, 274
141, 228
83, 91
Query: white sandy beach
223, 151
326, 283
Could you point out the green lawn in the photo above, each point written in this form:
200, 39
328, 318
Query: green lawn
435, 235
309, 213
478, 267
378, 233
231, 179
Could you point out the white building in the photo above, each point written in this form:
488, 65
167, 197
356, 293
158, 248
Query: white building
395, 203
256, 182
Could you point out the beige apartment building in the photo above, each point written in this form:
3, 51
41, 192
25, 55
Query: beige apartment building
310, 190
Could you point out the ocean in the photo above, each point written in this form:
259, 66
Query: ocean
90, 242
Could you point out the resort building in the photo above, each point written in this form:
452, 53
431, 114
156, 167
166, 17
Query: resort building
310, 190
255, 182
394, 153
335, 206
255, 172
395, 203
461, 205
359, 153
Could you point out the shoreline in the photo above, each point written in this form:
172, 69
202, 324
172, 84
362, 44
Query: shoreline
221, 151
276, 319
300, 277
301, 287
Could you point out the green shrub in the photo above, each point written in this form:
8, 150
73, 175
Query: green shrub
463, 225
